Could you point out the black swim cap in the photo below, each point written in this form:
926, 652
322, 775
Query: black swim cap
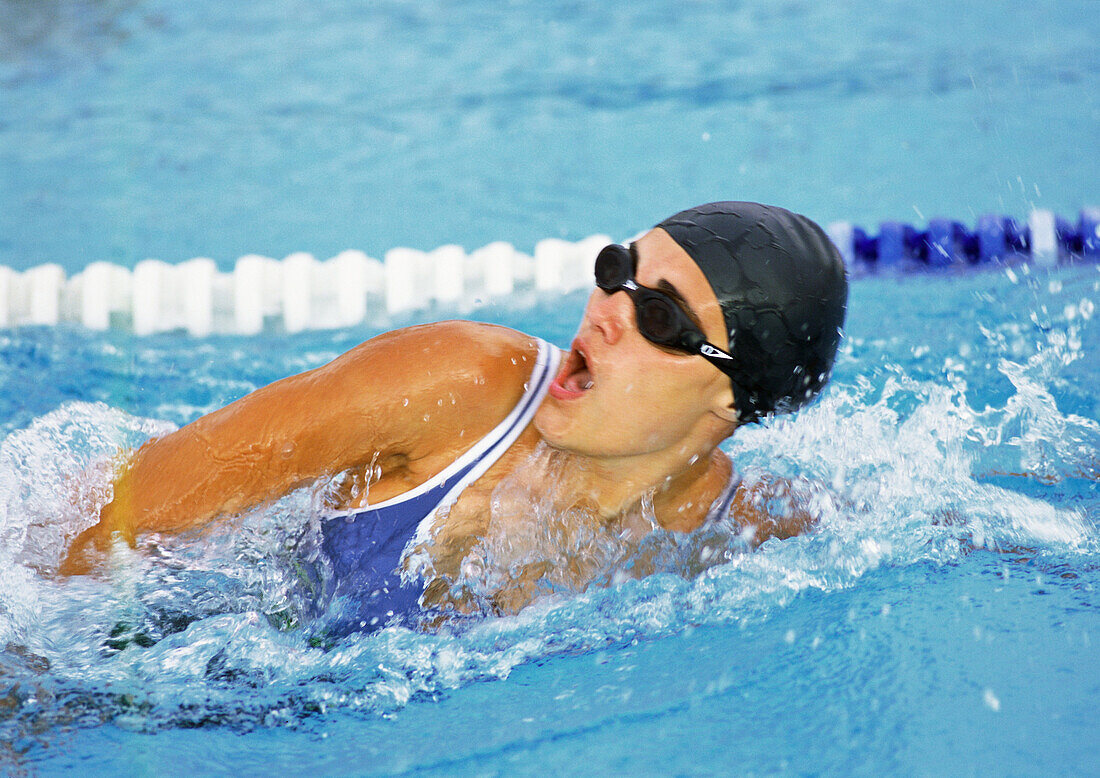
783, 291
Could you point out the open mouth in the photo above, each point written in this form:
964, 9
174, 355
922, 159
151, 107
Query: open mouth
575, 376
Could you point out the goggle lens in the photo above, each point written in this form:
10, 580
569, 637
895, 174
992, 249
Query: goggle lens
657, 321
614, 267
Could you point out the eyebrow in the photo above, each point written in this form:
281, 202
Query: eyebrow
674, 293
663, 285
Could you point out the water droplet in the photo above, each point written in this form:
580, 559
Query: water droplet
405, 403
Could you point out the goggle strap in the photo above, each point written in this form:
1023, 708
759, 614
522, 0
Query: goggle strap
725, 362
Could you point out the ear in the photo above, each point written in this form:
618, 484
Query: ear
728, 414
725, 409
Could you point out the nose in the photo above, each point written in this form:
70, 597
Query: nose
608, 313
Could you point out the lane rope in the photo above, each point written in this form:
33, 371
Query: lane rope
300, 292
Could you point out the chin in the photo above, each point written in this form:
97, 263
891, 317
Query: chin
553, 423
563, 427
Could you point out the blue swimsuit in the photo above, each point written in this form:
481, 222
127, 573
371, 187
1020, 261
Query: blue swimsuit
366, 546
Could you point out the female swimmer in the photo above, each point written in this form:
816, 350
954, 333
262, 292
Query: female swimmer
718, 316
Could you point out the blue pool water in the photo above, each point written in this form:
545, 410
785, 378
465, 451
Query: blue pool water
941, 620
173, 129
944, 618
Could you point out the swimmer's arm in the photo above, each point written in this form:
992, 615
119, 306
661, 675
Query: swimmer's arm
768, 506
394, 397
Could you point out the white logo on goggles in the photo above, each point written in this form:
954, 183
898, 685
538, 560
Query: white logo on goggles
711, 351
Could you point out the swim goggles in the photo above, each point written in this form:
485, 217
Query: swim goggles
660, 319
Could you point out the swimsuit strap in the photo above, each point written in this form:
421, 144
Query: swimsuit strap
367, 546
442, 489
489, 449
720, 508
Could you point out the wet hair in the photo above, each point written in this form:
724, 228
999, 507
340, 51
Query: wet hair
783, 291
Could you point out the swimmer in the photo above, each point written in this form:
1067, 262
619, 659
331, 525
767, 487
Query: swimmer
715, 318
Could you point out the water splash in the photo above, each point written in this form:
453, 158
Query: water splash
1052, 446
215, 630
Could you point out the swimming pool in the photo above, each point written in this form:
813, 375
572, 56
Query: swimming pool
942, 621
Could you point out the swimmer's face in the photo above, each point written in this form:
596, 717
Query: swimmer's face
618, 394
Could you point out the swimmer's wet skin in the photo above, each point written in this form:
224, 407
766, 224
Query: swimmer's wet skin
731, 312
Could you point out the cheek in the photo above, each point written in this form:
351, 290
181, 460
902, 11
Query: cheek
641, 404
659, 401
661, 384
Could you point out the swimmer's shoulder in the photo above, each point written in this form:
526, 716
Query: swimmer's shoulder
446, 351
769, 506
488, 365
452, 372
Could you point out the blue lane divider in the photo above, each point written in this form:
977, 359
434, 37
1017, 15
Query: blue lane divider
1043, 239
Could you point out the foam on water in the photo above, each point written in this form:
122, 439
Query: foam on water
215, 627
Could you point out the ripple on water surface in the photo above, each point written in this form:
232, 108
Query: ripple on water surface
920, 469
